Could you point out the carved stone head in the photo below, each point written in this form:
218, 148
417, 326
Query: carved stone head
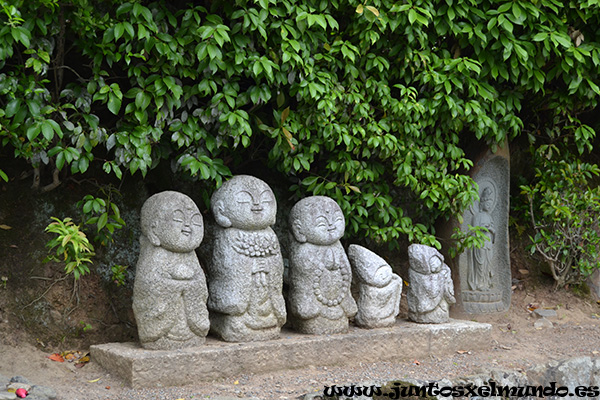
424, 259
244, 202
487, 200
171, 220
318, 220
370, 267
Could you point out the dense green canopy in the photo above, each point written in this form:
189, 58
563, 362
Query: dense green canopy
370, 103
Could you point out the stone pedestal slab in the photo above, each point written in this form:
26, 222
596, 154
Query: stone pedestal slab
141, 368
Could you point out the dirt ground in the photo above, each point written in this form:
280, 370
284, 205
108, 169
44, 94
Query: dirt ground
514, 344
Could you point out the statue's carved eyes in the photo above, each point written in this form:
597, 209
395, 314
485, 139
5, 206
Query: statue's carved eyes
178, 216
321, 222
266, 197
197, 220
243, 197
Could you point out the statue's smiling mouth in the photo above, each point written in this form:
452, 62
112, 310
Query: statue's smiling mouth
186, 231
257, 209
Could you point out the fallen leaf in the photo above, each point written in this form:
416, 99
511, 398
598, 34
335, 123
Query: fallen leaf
14, 246
595, 352
5, 227
83, 360
107, 387
236, 382
463, 351
524, 271
56, 357
94, 380
417, 362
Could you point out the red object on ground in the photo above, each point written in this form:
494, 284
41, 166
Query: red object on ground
21, 393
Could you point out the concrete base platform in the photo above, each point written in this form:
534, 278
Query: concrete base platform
216, 359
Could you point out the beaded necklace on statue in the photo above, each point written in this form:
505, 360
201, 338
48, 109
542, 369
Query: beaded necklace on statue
330, 264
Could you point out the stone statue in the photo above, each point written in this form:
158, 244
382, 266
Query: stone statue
430, 290
246, 272
169, 293
379, 289
481, 272
319, 297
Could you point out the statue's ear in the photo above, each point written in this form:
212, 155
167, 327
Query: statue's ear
220, 217
152, 236
297, 231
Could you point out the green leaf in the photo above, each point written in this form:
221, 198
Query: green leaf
33, 131
114, 103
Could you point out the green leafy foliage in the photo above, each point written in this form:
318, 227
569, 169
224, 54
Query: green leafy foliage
103, 213
70, 246
564, 208
370, 103
119, 274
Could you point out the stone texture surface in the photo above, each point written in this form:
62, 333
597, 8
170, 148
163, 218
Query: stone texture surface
593, 282
8, 386
379, 289
545, 313
216, 359
319, 298
170, 293
543, 323
430, 291
483, 277
246, 269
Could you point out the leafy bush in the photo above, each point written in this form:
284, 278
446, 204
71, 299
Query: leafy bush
370, 103
564, 212
71, 246
102, 212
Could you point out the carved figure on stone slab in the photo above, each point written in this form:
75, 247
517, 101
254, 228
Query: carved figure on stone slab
170, 293
430, 290
319, 297
379, 289
481, 272
246, 271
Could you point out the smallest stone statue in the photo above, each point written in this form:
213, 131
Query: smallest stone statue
379, 289
430, 290
170, 293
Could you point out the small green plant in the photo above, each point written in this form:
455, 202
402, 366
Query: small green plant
564, 210
119, 274
3, 281
103, 213
71, 246
85, 326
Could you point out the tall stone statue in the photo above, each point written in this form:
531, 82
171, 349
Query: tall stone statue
169, 293
481, 272
246, 271
482, 276
319, 297
430, 290
379, 289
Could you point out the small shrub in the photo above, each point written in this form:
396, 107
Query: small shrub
564, 211
119, 274
70, 246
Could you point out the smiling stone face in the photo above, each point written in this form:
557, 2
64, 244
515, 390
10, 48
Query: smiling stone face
172, 220
318, 220
244, 202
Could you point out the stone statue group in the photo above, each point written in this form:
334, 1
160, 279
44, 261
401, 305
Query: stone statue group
241, 299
